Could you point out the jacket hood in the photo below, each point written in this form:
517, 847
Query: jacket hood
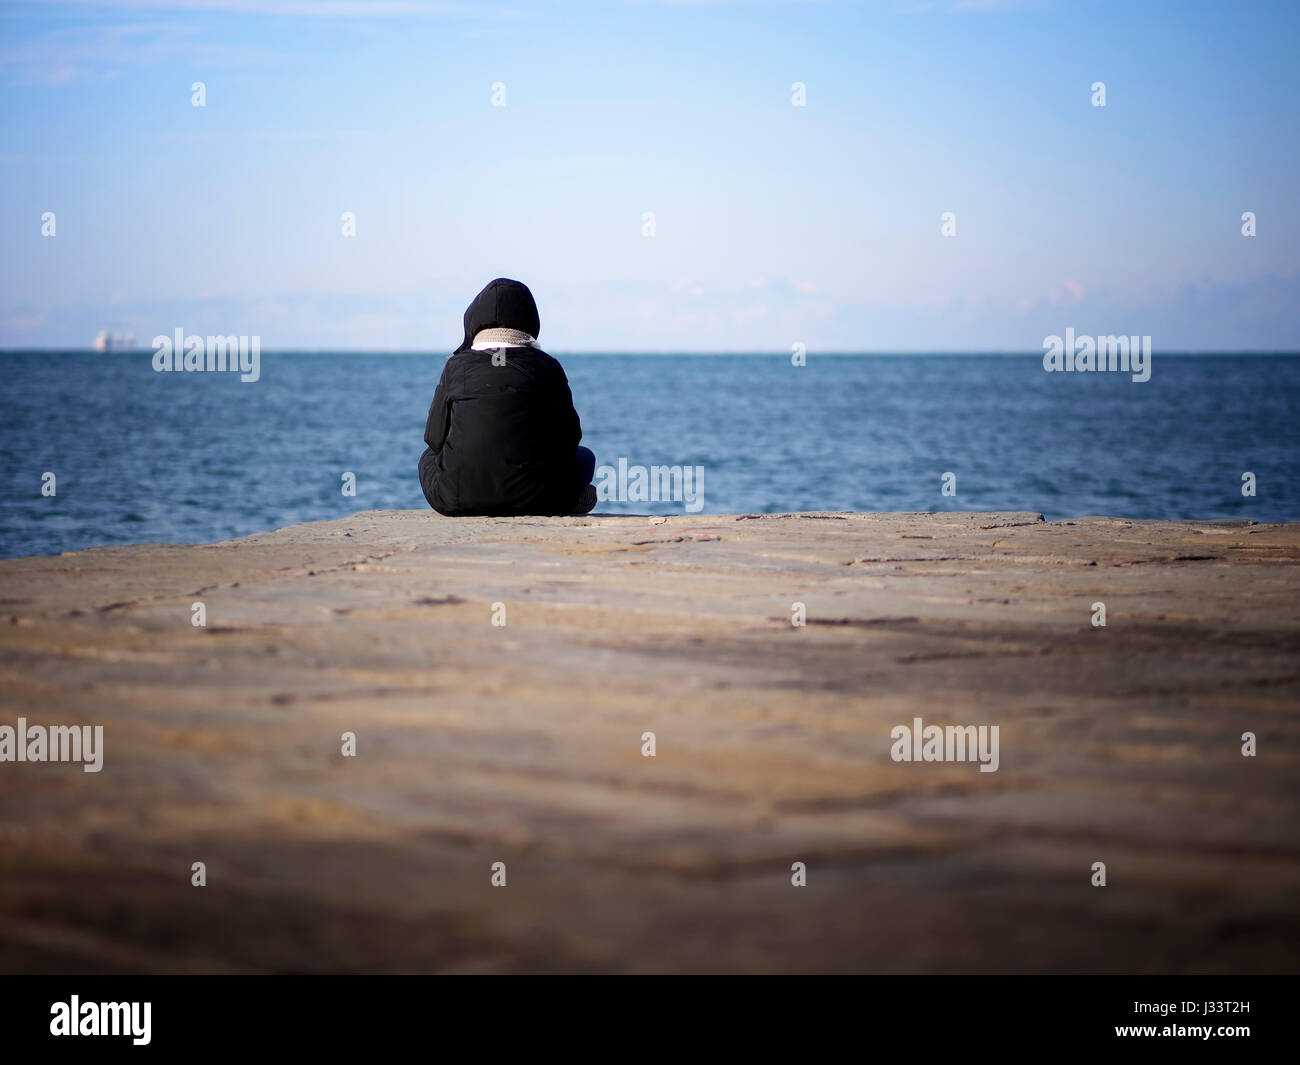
503, 304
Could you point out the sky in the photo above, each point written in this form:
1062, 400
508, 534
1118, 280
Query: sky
773, 224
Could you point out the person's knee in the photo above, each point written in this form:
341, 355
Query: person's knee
427, 468
586, 464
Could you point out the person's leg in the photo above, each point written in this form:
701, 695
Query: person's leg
428, 468
586, 465
586, 461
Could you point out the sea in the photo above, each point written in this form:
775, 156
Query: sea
99, 448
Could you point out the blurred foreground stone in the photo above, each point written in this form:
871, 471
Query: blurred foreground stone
522, 744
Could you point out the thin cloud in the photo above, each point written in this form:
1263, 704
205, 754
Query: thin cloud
309, 8
99, 53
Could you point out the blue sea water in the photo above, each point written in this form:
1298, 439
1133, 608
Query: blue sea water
143, 456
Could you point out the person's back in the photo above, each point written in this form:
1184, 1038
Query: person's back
502, 433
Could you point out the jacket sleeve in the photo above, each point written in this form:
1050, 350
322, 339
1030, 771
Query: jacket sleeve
439, 420
570, 426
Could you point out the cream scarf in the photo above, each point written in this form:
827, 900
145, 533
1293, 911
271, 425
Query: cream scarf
487, 339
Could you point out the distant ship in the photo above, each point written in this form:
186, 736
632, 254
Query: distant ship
106, 341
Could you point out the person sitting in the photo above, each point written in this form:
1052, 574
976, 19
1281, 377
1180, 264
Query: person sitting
502, 434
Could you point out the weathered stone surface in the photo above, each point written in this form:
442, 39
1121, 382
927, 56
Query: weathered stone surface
522, 744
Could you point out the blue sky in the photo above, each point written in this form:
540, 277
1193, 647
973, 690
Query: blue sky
775, 224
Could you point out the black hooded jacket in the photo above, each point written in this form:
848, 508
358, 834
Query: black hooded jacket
501, 437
